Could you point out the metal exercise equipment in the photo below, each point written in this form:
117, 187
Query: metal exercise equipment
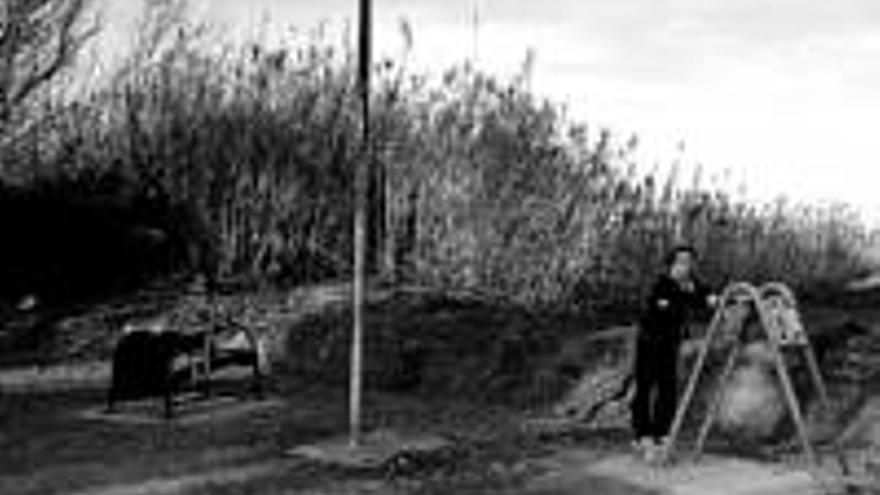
166, 361
779, 320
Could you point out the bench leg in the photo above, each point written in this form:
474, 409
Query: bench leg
208, 370
205, 385
169, 406
111, 401
258, 379
169, 397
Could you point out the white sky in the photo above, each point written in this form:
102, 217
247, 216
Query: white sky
786, 93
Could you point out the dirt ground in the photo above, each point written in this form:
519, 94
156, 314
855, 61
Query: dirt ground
48, 447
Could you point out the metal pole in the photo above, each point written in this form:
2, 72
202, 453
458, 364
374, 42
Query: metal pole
717, 397
787, 387
694, 378
360, 220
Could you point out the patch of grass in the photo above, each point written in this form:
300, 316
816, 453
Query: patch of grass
439, 346
48, 450
242, 154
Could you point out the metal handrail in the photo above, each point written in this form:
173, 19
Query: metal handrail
740, 292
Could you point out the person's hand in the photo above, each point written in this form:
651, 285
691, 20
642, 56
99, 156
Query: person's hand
712, 300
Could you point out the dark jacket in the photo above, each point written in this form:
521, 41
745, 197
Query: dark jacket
669, 307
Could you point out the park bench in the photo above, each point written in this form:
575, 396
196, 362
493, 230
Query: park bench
162, 361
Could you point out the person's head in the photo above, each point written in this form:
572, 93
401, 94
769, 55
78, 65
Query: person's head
681, 262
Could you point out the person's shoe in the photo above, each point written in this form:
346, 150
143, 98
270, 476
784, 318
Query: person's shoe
661, 448
652, 454
642, 446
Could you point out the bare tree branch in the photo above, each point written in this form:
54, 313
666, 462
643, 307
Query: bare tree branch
67, 45
158, 22
38, 40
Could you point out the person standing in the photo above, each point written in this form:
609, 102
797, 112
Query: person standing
675, 294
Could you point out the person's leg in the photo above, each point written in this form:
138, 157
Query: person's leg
645, 382
666, 373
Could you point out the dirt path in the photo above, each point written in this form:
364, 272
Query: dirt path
187, 483
48, 449
54, 378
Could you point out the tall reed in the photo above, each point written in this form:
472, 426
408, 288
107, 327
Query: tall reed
483, 185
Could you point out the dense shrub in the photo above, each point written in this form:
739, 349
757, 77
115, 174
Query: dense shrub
437, 345
63, 244
247, 153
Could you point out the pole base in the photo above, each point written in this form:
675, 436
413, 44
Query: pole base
374, 451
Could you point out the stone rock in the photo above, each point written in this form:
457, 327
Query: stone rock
758, 355
597, 392
752, 405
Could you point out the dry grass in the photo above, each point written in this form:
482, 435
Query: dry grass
49, 450
246, 153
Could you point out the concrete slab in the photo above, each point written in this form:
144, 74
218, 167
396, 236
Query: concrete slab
190, 412
35, 379
373, 451
565, 473
713, 475
196, 482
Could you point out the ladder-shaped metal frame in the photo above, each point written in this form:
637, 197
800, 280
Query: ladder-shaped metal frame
773, 302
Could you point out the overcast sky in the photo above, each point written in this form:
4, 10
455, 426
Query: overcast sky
783, 92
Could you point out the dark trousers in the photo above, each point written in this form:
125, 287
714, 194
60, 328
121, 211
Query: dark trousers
656, 376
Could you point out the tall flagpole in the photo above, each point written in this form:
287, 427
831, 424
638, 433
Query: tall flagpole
360, 220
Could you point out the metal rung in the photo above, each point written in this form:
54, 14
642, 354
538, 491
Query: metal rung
777, 314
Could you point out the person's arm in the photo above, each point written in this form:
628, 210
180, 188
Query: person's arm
699, 298
660, 306
703, 297
661, 297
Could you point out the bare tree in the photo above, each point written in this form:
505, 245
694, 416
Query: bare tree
38, 40
159, 21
